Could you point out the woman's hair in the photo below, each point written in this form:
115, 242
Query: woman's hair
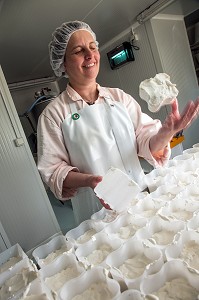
60, 39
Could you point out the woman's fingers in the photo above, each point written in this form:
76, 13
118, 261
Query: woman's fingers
94, 180
174, 108
176, 121
104, 204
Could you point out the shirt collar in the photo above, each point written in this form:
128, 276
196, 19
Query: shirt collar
103, 92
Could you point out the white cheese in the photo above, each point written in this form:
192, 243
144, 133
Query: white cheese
97, 291
157, 91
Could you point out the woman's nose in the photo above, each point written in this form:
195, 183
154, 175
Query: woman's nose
88, 54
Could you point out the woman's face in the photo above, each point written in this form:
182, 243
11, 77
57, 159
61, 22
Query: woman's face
82, 58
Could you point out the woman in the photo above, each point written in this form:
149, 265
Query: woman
89, 128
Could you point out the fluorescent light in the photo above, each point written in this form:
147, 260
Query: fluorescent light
152, 10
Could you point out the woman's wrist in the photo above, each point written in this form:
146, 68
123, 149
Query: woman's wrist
160, 141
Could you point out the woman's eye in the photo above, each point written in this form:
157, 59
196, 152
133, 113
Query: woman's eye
78, 51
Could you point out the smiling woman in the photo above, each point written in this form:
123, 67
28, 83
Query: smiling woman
78, 143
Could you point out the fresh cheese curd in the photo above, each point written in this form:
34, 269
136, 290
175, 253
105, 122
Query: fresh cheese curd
135, 266
126, 232
50, 257
99, 255
111, 216
9, 263
177, 289
17, 283
149, 213
157, 91
162, 237
182, 215
190, 254
56, 281
97, 291
86, 236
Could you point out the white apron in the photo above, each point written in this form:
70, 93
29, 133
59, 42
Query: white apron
98, 137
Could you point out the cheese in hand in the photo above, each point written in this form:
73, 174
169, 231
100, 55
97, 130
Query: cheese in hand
157, 91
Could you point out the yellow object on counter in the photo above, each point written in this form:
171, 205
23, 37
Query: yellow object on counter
176, 140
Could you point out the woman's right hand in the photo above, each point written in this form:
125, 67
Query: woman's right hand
68, 192
75, 180
93, 180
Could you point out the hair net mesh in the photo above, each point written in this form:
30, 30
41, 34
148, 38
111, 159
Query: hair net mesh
60, 39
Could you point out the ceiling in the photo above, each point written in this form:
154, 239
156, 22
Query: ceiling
26, 27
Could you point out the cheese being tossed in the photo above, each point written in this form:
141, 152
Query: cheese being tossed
158, 91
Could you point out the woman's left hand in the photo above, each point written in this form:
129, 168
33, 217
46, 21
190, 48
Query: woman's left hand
176, 122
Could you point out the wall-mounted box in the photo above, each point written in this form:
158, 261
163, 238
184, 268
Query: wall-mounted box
120, 55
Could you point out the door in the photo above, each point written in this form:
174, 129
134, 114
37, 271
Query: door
26, 214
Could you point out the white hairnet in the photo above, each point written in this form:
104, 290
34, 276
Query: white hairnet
60, 39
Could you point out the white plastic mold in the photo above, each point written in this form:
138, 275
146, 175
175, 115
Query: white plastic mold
105, 216
179, 209
61, 270
196, 145
167, 192
169, 271
46, 253
146, 208
158, 177
84, 232
160, 233
117, 190
37, 290
93, 276
192, 192
10, 257
193, 224
184, 178
95, 252
183, 157
12, 275
125, 226
171, 164
186, 248
135, 253
99, 215
194, 151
